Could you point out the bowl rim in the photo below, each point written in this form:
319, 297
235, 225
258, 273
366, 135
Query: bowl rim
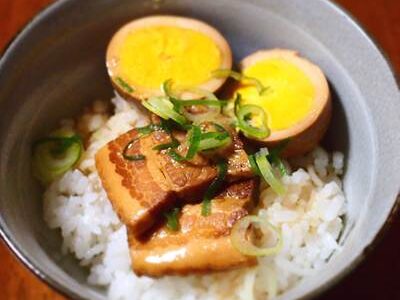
66, 291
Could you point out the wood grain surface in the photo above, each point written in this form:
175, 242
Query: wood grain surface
376, 278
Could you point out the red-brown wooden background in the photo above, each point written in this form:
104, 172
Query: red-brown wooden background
377, 278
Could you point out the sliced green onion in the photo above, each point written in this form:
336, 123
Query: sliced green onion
194, 141
55, 155
210, 193
219, 127
237, 102
172, 145
167, 125
135, 157
158, 107
246, 112
214, 135
228, 110
166, 87
231, 108
239, 237
253, 165
172, 219
213, 140
149, 129
164, 108
175, 155
61, 144
267, 172
223, 73
177, 104
124, 85
211, 99
273, 157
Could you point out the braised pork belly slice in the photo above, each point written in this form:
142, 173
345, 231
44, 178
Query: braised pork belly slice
202, 243
238, 161
140, 189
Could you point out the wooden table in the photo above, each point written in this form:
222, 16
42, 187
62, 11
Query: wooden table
376, 278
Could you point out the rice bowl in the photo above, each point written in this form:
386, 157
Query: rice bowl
366, 148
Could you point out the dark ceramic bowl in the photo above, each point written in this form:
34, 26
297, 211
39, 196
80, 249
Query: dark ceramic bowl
56, 66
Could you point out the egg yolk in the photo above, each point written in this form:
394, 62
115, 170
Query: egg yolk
152, 55
290, 94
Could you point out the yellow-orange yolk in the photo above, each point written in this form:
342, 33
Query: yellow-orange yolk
290, 96
149, 56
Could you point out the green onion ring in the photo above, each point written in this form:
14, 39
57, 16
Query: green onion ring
267, 172
164, 108
244, 111
55, 155
243, 245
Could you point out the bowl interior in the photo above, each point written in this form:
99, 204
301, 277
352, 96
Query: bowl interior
57, 66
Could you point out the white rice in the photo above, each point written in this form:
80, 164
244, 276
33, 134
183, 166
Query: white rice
309, 216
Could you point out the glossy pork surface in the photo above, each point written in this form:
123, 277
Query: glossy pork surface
238, 161
202, 243
140, 190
